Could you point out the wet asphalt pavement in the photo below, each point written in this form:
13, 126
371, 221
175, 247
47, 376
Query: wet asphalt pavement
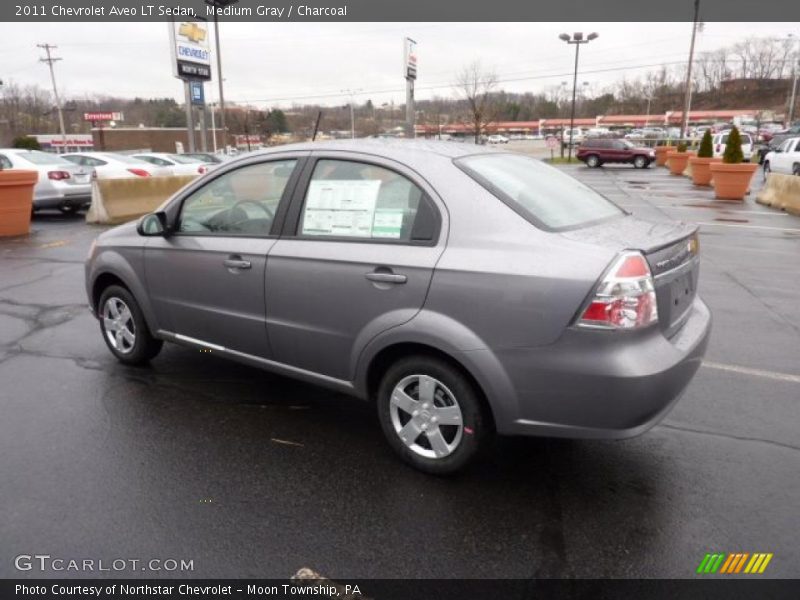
254, 475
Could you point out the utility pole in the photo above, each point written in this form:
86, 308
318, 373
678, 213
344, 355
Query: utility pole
410, 74
351, 94
50, 60
687, 102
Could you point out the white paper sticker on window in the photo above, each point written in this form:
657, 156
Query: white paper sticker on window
341, 208
388, 223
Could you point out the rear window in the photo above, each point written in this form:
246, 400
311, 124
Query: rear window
43, 158
540, 193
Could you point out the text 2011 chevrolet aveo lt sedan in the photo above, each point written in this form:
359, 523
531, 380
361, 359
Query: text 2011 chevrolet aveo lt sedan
464, 290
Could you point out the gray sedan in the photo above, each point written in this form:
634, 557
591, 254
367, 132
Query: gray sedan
464, 290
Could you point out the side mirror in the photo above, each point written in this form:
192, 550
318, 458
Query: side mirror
153, 225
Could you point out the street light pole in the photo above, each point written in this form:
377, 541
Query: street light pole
577, 40
793, 98
217, 5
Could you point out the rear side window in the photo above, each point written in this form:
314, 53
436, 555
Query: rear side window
542, 194
5, 163
347, 199
43, 158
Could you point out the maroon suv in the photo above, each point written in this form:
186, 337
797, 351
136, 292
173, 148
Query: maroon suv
595, 152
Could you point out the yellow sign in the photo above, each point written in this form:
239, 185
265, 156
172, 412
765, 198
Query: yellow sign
192, 32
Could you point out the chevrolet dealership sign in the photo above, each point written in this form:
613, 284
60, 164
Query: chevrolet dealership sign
191, 57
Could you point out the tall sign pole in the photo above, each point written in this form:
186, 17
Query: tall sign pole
191, 62
410, 73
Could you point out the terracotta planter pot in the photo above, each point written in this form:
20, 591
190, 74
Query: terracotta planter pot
16, 201
701, 169
732, 181
661, 154
677, 161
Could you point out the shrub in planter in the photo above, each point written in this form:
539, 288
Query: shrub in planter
732, 176
678, 159
701, 164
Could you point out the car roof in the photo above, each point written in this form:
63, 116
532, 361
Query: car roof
398, 149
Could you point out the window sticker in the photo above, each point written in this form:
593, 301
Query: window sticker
388, 223
341, 207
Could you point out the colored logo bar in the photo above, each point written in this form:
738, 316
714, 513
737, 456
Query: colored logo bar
733, 563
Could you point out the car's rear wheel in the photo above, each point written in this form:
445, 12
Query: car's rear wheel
640, 162
593, 161
431, 415
767, 169
796, 170
124, 328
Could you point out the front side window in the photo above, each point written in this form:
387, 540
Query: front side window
240, 202
540, 193
358, 200
5, 163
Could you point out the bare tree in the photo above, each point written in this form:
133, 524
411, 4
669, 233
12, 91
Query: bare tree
476, 84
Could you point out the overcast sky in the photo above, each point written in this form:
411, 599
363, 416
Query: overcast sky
274, 64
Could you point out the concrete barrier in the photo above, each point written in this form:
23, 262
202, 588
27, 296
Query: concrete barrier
781, 191
117, 201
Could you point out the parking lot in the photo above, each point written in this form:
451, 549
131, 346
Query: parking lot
254, 475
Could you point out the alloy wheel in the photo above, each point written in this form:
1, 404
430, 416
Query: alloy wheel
118, 325
426, 416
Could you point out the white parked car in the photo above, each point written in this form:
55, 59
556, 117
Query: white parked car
178, 164
109, 165
497, 139
785, 159
720, 140
61, 184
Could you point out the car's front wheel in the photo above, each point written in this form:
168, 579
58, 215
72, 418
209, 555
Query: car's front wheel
767, 169
432, 415
124, 329
641, 162
796, 170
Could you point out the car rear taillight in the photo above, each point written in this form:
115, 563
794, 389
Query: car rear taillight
58, 175
139, 172
625, 298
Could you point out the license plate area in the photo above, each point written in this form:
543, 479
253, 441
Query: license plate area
681, 294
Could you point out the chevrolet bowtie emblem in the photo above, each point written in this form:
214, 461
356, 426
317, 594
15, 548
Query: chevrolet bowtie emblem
193, 32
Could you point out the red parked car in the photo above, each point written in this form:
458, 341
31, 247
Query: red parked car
595, 152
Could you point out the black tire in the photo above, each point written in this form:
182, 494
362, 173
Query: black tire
68, 209
145, 346
767, 169
796, 170
593, 161
451, 385
641, 162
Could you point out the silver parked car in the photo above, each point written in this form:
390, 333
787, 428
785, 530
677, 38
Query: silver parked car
61, 184
463, 289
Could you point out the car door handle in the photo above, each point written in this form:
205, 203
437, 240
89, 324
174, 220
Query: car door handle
383, 277
237, 263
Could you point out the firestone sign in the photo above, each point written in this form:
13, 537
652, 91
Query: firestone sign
191, 57
103, 116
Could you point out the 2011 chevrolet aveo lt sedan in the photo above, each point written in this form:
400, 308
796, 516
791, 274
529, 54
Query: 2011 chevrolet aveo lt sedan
464, 290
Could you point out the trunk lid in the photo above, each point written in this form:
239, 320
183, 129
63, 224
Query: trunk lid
671, 250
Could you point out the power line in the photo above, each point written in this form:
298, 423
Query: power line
50, 60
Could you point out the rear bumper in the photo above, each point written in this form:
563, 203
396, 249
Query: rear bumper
599, 384
57, 201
